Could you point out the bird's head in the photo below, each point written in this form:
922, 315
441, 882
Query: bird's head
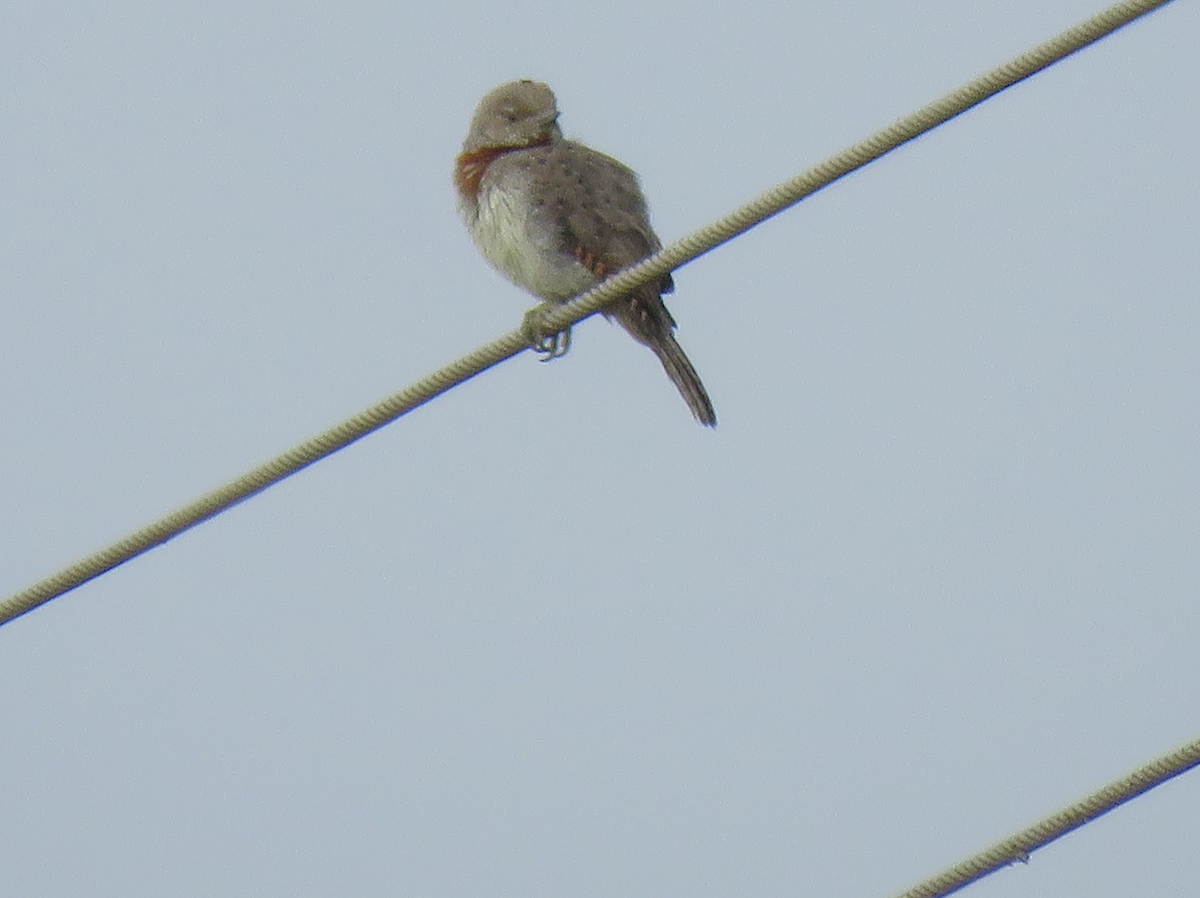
517, 114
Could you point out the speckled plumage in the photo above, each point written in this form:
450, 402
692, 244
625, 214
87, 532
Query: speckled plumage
557, 217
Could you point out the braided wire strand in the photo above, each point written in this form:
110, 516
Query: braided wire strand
1017, 848
553, 319
265, 475
854, 157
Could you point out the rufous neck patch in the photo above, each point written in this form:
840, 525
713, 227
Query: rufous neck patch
469, 168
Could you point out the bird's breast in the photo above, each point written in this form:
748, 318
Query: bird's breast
519, 238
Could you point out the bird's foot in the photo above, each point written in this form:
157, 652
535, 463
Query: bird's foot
550, 345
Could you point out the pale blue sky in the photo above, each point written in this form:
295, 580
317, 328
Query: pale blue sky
934, 575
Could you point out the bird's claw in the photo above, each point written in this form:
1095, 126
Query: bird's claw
550, 345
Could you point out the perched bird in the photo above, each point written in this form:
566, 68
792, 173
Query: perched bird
557, 217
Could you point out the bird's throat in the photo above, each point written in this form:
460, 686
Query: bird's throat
469, 168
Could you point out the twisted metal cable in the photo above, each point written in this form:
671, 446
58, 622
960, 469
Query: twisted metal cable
267, 474
557, 318
839, 165
1017, 848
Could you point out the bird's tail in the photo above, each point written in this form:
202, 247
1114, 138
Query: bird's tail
683, 375
644, 315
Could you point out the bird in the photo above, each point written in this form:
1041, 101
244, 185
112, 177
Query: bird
556, 218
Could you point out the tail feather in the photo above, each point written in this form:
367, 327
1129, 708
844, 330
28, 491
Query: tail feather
645, 317
687, 381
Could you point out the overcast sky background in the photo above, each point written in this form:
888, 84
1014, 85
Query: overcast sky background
934, 575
